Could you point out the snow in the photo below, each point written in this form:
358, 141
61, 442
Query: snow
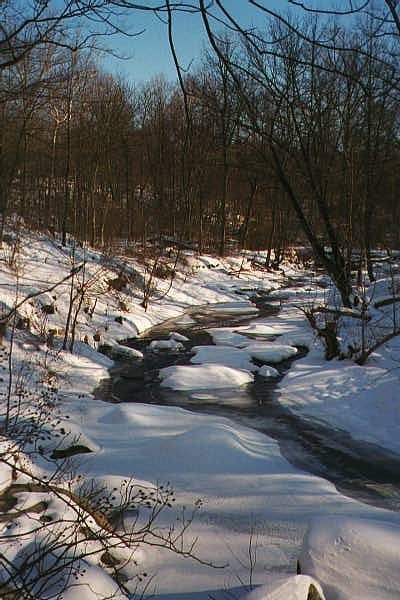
353, 558
223, 355
228, 337
270, 352
239, 474
247, 487
204, 377
239, 308
267, 371
359, 399
86, 591
295, 587
178, 337
161, 345
124, 352
258, 329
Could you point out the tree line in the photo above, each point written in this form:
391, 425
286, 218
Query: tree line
282, 135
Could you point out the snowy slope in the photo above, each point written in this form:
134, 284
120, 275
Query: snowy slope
251, 496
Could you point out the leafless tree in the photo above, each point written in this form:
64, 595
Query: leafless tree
118, 162
289, 74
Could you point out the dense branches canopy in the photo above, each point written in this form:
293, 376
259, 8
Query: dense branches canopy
289, 118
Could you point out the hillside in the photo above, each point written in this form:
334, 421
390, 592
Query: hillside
72, 464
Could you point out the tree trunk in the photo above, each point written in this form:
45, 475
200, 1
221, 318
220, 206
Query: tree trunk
335, 266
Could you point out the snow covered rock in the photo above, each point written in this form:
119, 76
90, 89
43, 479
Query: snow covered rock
267, 371
170, 345
178, 337
289, 587
259, 329
121, 353
270, 352
353, 558
224, 355
203, 377
228, 336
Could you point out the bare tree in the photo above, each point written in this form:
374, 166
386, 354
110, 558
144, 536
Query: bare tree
107, 166
224, 106
289, 72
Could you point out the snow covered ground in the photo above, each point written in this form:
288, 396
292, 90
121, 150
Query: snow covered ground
256, 507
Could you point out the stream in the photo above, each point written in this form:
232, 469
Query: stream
358, 469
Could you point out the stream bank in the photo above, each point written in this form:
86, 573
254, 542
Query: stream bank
360, 470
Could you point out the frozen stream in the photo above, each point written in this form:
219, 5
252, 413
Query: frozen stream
359, 470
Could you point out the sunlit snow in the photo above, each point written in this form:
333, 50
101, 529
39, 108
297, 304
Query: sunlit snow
270, 352
249, 490
223, 355
204, 377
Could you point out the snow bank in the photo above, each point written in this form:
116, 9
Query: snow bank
361, 400
353, 558
242, 479
178, 337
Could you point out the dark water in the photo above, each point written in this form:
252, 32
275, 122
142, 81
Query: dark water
358, 469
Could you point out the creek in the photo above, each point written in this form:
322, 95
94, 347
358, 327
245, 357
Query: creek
358, 469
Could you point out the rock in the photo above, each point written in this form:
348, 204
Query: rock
48, 309
56, 331
120, 353
313, 593
70, 451
119, 282
110, 560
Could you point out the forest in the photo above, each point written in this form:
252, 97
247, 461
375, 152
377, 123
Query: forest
278, 137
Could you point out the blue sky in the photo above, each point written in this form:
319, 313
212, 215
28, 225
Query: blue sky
149, 53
